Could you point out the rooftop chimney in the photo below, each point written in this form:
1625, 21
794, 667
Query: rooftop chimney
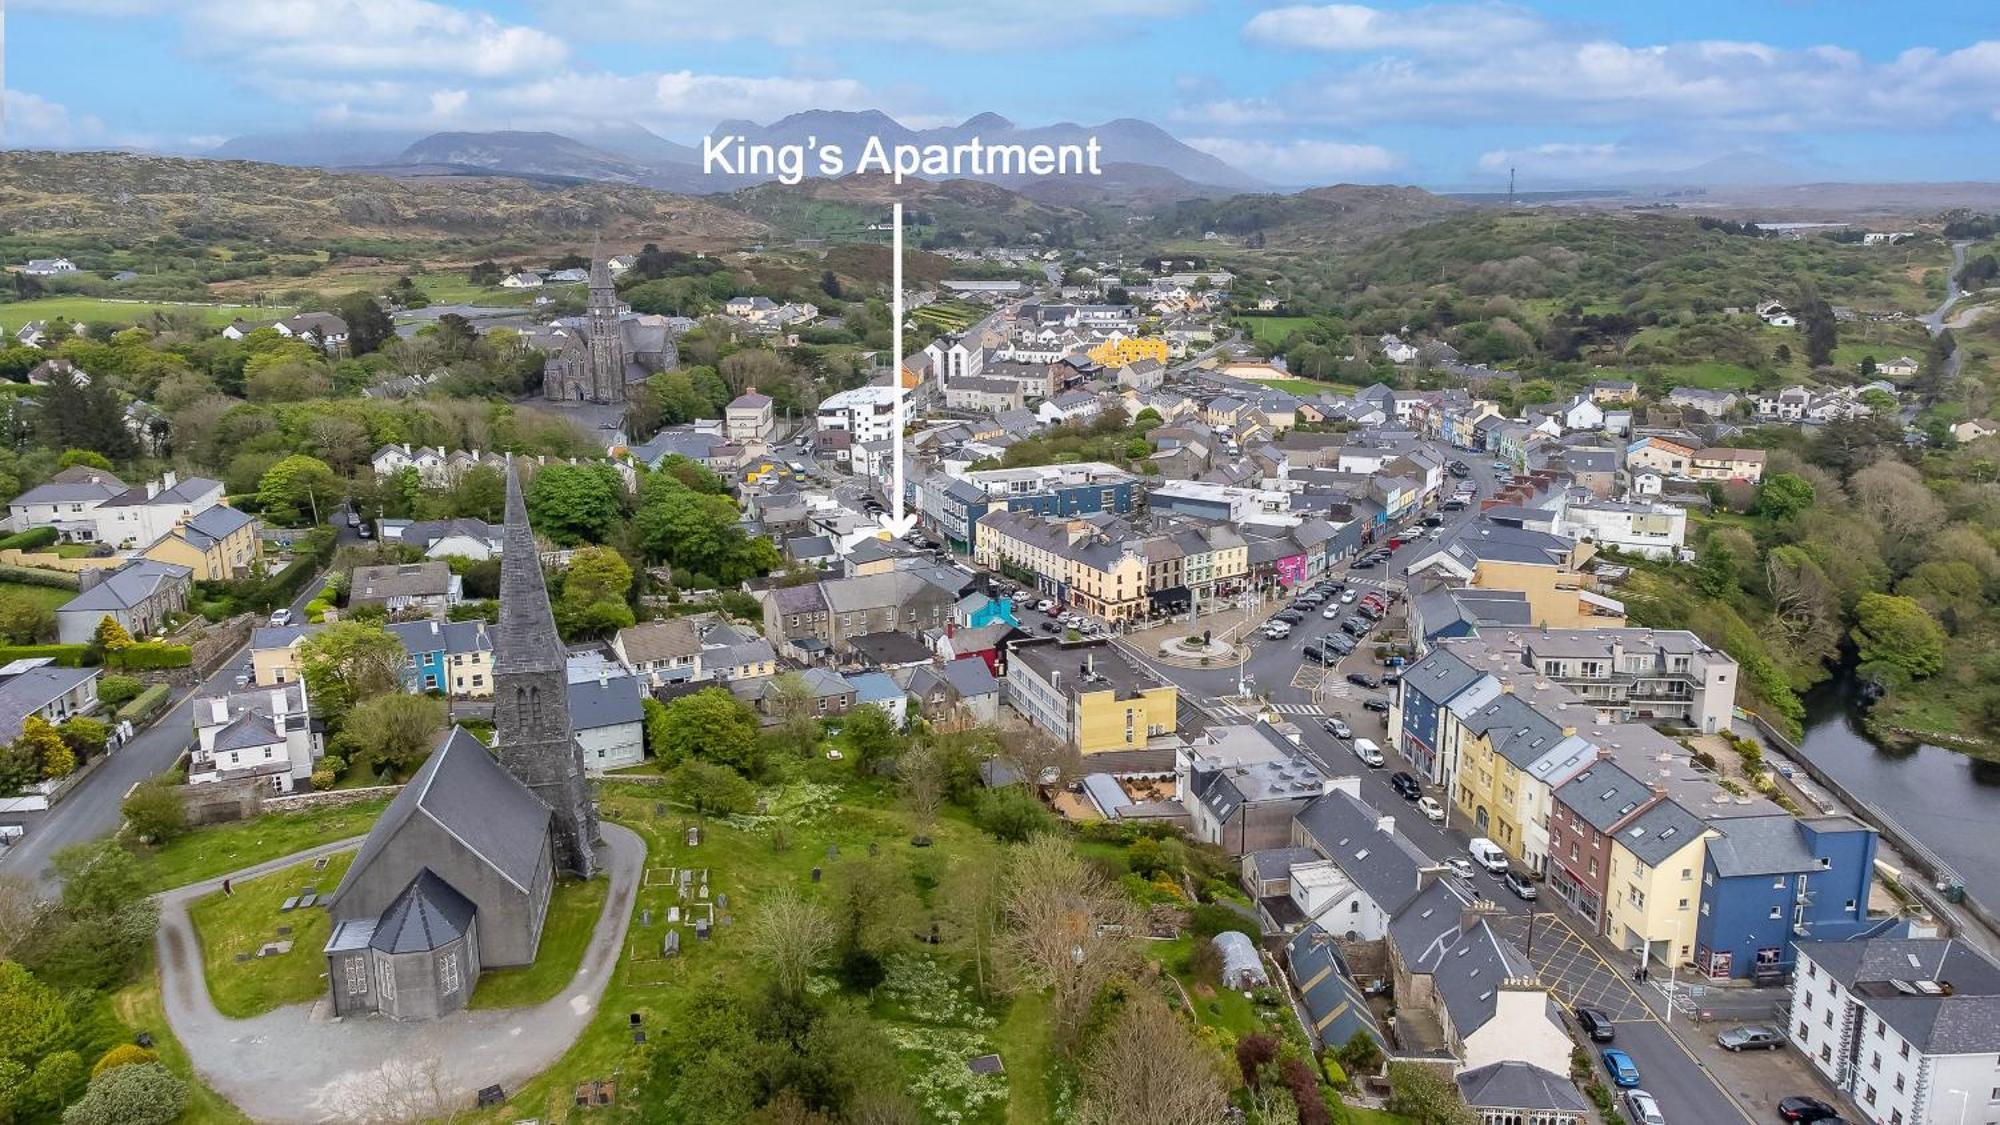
218, 710
169, 479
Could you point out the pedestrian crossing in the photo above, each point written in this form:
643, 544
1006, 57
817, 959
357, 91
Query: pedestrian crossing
1296, 709
1241, 711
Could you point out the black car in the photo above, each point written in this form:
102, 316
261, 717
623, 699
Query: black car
1292, 616
1366, 564
1339, 644
1595, 1023
1051, 627
1803, 1109
1376, 704
1354, 627
1313, 653
1364, 679
1433, 521
1372, 613
1407, 786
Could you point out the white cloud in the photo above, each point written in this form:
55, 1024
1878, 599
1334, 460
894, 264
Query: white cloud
1302, 161
33, 121
353, 36
1440, 29
975, 25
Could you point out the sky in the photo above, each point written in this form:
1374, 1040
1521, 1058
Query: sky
1453, 94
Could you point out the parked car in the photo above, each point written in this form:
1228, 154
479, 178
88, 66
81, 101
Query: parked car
1624, 1072
1278, 630
1803, 1109
1354, 627
1051, 627
1750, 1037
1406, 785
1642, 1107
1347, 597
1595, 1022
1432, 811
1364, 679
1330, 612
1340, 643
1291, 616
1523, 887
1044, 606
1487, 854
1371, 612
1366, 564
1460, 867
282, 617
1337, 727
1376, 704
1313, 653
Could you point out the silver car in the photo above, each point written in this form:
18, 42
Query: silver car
1750, 1037
1644, 1110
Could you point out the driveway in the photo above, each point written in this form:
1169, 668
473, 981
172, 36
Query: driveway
299, 1064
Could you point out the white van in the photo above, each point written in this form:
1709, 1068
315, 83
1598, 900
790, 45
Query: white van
1368, 752
1487, 854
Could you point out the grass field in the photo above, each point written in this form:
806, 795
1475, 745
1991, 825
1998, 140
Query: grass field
231, 927
1307, 386
140, 1008
573, 911
73, 309
1710, 376
952, 316
1274, 329
49, 596
208, 852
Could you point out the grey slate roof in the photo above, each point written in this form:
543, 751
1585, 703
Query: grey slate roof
1603, 795
1466, 963
215, 523
606, 703
127, 587
1661, 831
1276, 863
1760, 845
467, 792
970, 677
1965, 1023
428, 915
247, 731
527, 640
1512, 1084
1383, 864
76, 484
1326, 986
1440, 676
25, 693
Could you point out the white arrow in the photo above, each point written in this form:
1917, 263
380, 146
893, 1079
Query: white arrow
895, 521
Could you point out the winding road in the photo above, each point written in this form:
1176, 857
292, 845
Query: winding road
298, 1064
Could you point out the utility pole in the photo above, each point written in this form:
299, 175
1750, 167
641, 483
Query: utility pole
1510, 183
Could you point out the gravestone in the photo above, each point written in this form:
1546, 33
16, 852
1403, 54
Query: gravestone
694, 835
701, 929
289, 905
833, 851
645, 917
815, 875
672, 945
722, 902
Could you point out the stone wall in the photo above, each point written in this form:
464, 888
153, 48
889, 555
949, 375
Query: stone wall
222, 801
328, 799
214, 644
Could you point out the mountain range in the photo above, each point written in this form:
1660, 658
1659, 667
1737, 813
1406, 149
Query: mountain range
1140, 158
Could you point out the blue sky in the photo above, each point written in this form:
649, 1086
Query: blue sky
1444, 93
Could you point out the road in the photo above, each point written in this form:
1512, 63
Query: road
1953, 293
91, 809
1575, 968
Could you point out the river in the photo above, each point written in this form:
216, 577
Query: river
1947, 800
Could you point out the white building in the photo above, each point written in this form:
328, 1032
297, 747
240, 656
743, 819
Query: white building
868, 413
48, 267
608, 718
264, 733
1654, 530
1908, 1028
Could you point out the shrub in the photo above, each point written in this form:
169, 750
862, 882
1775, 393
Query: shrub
1210, 919
154, 810
1012, 812
115, 691
140, 1094
124, 1054
151, 655
711, 789
33, 539
34, 576
143, 705
68, 656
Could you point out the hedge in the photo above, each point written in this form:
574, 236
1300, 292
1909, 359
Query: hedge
150, 654
69, 656
32, 539
33, 576
142, 707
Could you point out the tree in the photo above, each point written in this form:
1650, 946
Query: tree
1254, 1052
872, 738
1149, 1068
1715, 568
144, 1094
154, 810
1361, 1054
368, 327
1012, 812
829, 284
1066, 930
41, 745
1783, 495
298, 490
86, 737
1895, 632
792, 936
594, 590
922, 777
711, 725
99, 877
574, 504
710, 790
111, 636
25, 622
1427, 1095
791, 700
349, 661
396, 729
88, 458
74, 414
33, 1019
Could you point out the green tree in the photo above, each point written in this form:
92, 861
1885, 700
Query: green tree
594, 590
1715, 568
872, 738
33, 1022
155, 811
1895, 632
396, 729
25, 622
1012, 812
86, 737
1784, 495
1427, 1095
710, 725
710, 789
88, 458
299, 490
42, 745
142, 1094
111, 636
349, 661
574, 504
368, 327
791, 701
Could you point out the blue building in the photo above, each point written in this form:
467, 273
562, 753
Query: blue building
1420, 709
954, 507
446, 656
1770, 881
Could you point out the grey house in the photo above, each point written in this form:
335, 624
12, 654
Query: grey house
463, 825
139, 595
609, 721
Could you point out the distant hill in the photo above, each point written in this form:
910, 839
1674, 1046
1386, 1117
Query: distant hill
955, 208
116, 193
1130, 185
520, 153
1344, 214
329, 148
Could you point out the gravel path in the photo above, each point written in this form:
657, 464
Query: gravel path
298, 1064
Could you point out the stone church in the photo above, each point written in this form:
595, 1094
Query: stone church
456, 875
597, 354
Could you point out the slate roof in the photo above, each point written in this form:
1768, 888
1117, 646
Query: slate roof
874, 687
465, 790
127, 587
889, 648
1661, 831
969, 676
247, 731
183, 492
1965, 1023
75, 484
424, 579
1603, 795
1466, 963
1516, 1085
1276, 863
1760, 845
611, 702
1327, 988
741, 655
428, 915
29, 691
214, 524
1383, 864
441, 636
662, 640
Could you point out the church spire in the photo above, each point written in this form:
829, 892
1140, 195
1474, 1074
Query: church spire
527, 632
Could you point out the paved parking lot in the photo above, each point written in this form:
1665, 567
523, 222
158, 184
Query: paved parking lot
1571, 967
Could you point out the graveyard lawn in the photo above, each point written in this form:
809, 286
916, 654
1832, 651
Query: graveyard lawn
234, 928
573, 911
206, 853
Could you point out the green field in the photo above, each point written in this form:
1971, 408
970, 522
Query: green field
1273, 329
1306, 386
235, 928
572, 917
49, 596
208, 852
74, 309
1710, 376
951, 316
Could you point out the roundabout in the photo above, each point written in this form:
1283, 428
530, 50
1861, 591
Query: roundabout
1201, 650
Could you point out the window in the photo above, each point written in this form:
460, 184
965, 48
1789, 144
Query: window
1774, 913
1899, 1083
1876, 1062
1869, 1096
1881, 1029
1905, 1051
1778, 884
1805, 1030
355, 973
1826, 1053
385, 977
1828, 1021
447, 974
1812, 971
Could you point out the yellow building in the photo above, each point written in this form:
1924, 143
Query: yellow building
1510, 757
217, 544
1547, 569
1072, 559
1094, 698
274, 654
1119, 351
1654, 889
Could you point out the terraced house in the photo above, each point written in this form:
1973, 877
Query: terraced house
1077, 562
